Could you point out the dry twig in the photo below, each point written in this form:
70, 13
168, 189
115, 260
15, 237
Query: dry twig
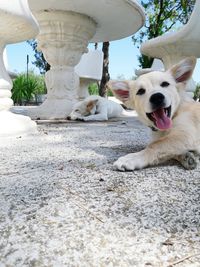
87, 210
183, 259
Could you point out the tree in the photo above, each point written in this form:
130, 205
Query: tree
105, 75
161, 17
40, 61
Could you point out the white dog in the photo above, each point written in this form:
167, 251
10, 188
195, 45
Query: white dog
175, 122
95, 108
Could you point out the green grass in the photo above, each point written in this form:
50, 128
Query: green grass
94, 90
25, 88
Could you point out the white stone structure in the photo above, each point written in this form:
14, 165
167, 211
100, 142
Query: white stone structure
89, 70
5, 60
16, 24
173, 47
66, 27
157, 65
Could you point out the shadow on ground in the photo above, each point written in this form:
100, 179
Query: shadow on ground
62, 204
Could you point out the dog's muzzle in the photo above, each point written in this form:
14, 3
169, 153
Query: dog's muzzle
157, 100
161, 115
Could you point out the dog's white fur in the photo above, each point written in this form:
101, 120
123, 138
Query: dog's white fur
95, 108
182, 133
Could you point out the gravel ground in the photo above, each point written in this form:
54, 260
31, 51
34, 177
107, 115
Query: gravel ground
62, 204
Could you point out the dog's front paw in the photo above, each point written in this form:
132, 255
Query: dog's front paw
130, 162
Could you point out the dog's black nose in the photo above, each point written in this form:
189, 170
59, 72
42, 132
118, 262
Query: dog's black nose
157, 100
68, 118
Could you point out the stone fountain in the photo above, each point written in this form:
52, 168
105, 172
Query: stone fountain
66, 28
17, 24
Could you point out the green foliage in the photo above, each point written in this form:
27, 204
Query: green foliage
25, 88
94, 90
145, 61
109, 92
197, 93
19, 90
161, 17
40, 88
40, 61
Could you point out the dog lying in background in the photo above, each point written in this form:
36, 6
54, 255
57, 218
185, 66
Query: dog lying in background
175, 122
95, 108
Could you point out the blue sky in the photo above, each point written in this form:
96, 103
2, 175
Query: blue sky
123, 58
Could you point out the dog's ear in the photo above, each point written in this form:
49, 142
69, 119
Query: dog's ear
120, 89
91, 104
182, 71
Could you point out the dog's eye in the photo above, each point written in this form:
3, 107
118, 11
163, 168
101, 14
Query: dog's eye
141, 91
164, 84
77, 110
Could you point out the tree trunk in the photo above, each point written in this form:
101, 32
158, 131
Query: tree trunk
47, 66
105, 75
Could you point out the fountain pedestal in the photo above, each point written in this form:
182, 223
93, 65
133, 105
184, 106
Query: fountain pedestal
63, 39
17, 24
66, 28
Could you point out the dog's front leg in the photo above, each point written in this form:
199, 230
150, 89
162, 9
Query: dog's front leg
131, 162
159, 151
96, 117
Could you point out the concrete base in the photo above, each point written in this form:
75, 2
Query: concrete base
13, 125
51, 109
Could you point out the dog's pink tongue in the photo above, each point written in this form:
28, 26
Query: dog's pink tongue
162, 121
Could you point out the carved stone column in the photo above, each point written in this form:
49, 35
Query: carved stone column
63, 38
5, 85
17, 24
11, 124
